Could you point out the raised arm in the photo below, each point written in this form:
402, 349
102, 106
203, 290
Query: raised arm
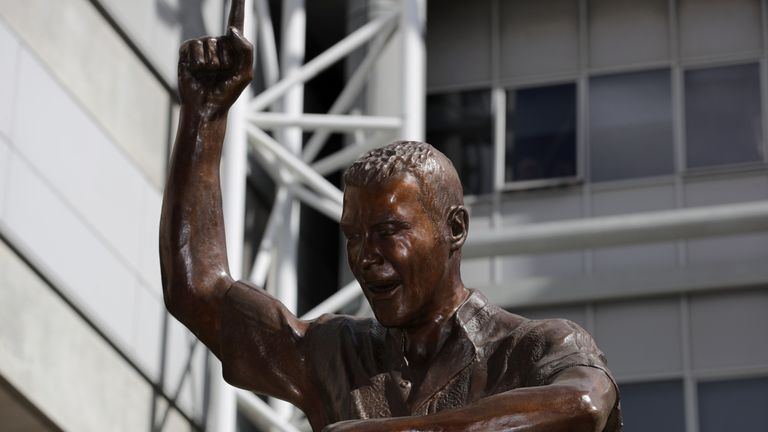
579, 399
212, 74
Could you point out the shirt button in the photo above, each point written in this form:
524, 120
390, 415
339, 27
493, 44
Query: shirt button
404, 384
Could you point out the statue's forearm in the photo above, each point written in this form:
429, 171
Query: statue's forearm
576, 403
192, 242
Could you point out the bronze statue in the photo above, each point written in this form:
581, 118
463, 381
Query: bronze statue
437, 356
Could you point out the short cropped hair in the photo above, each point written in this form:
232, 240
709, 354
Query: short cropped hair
440, 187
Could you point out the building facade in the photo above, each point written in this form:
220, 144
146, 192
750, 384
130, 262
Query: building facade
564, 110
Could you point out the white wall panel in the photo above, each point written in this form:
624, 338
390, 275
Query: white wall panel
59, 363
729, 330
627, 31
711, 27
476, 272
148, 224
66, 248
458, 42
726, 189
180, 342
634, 200
159, 26
5, 160
148, 318
80, 162
550, 264
9, 46
544, 207
84, 53
540, 207
538, 37
640, 337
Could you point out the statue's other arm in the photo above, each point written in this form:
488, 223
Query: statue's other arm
579, 399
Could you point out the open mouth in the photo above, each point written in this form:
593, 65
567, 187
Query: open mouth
381, 287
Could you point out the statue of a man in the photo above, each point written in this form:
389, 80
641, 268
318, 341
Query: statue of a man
437, 357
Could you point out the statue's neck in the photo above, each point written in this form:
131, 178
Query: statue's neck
422, 343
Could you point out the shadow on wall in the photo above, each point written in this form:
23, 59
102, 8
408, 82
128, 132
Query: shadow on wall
188, 15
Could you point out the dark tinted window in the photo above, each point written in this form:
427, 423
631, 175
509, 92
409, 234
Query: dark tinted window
541, 133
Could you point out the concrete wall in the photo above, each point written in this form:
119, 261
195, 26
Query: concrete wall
99, 71
84, 129
62, 366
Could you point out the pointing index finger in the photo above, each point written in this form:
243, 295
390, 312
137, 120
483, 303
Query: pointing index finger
236, 14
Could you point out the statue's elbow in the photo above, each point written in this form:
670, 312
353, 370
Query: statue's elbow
591, 412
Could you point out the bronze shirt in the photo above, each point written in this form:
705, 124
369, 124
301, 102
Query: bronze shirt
353, 368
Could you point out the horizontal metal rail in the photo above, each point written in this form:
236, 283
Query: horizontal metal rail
608, 231
596, 232
329, 122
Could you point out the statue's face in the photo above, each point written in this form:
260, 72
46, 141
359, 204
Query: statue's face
395, 251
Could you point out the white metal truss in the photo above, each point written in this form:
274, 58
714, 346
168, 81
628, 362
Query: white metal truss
300, 177
293, 166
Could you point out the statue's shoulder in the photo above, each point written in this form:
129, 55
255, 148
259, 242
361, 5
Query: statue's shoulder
329, 327
499, 323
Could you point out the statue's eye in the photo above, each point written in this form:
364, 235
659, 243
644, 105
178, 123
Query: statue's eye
387, 229
351, 235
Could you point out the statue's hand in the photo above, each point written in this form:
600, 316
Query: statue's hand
213, 71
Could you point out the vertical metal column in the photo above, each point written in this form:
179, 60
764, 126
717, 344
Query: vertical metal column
413, 15
292, 58
233, 177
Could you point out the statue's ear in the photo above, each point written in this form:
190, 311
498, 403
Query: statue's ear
458, 225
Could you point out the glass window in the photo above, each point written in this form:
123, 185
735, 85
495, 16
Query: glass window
712, 27
541, 133
628, 31
630, 125
653, 406
736, 405
722, 115
459, 124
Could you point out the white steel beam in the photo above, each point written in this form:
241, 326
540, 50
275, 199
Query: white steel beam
338, 300
347, 155
621, 230
321, 62
294, 27
266, 43
260, 412
341, 123
234, 169
413, 68
348, 95
285, 180
298, 168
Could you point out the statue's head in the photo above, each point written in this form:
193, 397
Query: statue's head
405, 224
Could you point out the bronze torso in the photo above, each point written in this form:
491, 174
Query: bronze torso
357, 370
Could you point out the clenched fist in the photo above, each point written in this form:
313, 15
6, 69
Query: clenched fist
213, 71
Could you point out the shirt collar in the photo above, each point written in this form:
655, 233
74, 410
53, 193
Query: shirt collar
457, 353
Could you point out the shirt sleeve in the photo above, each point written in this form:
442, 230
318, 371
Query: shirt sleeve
262, 344
559, 344
556, 345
